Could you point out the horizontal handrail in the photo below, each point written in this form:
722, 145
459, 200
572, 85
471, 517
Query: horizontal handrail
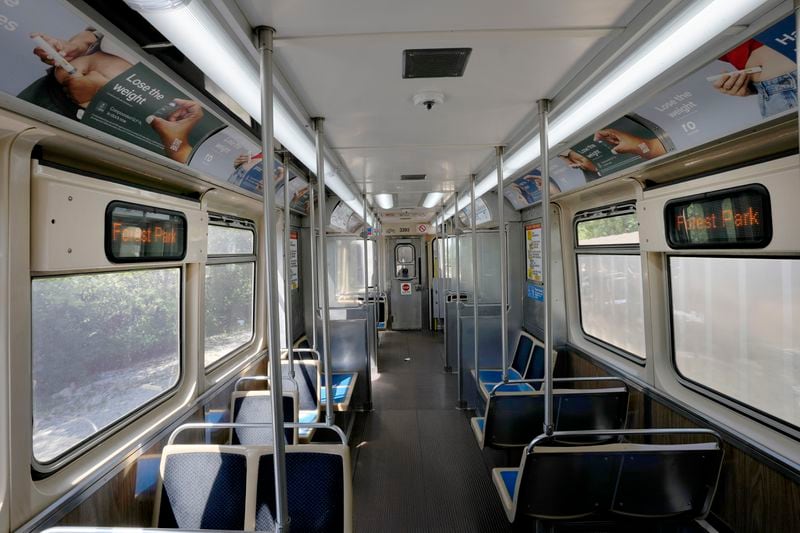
256, 425
584, 379
284, 379
623, 432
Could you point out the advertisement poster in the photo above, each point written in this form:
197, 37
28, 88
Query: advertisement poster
536, 292
294, 264
753, 82
533, 249
482, 214
63, 64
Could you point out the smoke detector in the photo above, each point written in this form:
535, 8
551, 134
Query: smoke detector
428, 99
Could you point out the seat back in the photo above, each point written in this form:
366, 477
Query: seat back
318, 486
201, 487
307, 379
536, 367
635, 480
522, 353
569, 485
581, 409
513, 419
668, 481
255, 407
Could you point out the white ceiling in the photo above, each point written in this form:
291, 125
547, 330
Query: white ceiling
344, 61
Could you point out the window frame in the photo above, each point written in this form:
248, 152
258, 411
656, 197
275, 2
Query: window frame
753, 413
42, 469
609, 211
229, 221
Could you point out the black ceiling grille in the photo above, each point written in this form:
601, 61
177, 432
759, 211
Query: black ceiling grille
435, 62
412, 177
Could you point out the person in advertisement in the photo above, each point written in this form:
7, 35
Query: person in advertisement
759, 71
79, 68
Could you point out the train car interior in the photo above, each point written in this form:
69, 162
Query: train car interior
401, 266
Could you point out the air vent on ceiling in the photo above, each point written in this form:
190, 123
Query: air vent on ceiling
435, 62
412, 177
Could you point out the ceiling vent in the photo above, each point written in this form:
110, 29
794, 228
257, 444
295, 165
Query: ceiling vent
435, 62
412, 177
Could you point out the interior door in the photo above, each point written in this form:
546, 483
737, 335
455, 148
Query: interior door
406, 262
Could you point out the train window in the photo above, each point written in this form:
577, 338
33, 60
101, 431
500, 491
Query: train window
734, 325
103, 345
610, 279
612, 230
405, 261
229, 290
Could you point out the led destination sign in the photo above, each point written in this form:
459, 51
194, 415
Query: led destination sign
137, 233
732, 218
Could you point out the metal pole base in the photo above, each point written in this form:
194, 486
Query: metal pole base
366, 407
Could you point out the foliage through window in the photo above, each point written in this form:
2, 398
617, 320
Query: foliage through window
610, 280
229, 291
609, 231
103, 346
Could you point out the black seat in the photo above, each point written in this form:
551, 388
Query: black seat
201, 487
612, 481
513, 419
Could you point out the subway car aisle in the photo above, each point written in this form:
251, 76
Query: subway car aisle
417, 466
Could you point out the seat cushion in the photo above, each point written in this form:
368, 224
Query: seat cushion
477, 424
496, 375
510, 480
486, 388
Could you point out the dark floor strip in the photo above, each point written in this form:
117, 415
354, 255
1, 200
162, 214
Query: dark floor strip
418, 467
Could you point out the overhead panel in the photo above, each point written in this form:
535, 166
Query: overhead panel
435, 62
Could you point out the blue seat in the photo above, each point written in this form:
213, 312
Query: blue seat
523, 366
342, 387
232, 487
319, 490
307, 379
256, 407
611, 481
201, 487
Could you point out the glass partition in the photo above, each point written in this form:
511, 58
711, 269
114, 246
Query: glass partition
346, 270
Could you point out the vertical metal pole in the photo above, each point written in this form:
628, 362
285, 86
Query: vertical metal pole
444, 286
265, 35
287, 278
323, 271
797, 54
368, 404
473, 225
314, 265
501, 228
458, 306
544, 109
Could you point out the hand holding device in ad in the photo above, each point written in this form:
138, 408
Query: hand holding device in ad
736, 83
175, 128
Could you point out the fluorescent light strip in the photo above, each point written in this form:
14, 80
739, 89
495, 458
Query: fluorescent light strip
689, 31
432, 199
384, 200
195, 32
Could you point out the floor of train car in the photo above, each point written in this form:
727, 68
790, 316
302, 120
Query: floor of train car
417, 466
